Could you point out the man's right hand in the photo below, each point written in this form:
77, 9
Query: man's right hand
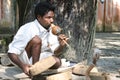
26, 68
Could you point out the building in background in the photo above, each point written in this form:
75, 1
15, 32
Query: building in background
108, 16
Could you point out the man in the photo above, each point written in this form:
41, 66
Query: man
35, 40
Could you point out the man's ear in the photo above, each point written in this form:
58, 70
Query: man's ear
38, 16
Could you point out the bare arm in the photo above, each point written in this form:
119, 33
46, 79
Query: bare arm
62, 41
58, 50
14, 58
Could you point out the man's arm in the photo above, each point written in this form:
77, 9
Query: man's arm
62, 41
58, 50
14, 58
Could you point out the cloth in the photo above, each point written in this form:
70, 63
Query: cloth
24, 58
26, 33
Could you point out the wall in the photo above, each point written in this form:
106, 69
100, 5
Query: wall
108, 16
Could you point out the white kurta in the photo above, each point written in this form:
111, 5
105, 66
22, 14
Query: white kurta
25, 34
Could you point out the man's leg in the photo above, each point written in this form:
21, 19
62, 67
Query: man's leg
33, 49
57, 64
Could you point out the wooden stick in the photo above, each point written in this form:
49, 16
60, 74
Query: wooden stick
42, 65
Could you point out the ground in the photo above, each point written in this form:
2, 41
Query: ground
109, 62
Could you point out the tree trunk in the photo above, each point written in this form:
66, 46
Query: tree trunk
26, 10
77, 18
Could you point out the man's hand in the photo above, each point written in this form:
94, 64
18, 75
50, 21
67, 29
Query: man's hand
63, 40
26, 68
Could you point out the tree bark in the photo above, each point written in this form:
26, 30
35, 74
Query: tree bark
77, 18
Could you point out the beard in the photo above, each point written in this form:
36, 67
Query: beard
47, 27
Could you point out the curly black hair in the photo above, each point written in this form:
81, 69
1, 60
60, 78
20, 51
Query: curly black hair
42, 8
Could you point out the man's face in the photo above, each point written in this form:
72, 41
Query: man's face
46, 20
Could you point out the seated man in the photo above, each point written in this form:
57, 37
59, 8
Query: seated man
35, 41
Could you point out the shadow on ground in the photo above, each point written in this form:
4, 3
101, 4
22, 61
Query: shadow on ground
109, 44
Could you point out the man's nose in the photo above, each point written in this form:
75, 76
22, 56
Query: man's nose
51, 20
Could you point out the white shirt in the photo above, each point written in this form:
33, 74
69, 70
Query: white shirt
27, 32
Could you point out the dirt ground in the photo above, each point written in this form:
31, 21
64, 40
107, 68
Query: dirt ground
109, 62
109, 44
